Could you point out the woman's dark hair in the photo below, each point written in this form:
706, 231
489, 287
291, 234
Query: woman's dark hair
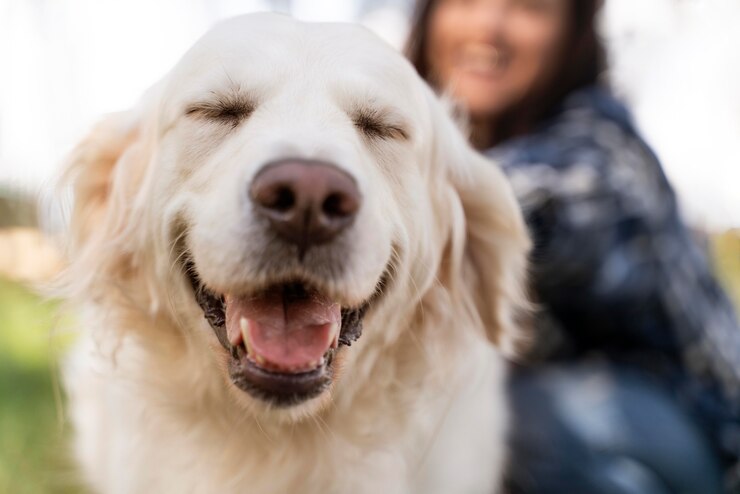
582, 64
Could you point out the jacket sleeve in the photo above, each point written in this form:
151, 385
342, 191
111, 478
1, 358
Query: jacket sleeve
613, 263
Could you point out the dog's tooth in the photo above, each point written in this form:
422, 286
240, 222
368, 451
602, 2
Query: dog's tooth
260, 359
244, 326
335, 332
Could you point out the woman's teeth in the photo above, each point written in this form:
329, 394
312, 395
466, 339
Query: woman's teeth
481, 58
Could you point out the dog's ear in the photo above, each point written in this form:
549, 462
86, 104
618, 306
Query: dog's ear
106, 173
489, 246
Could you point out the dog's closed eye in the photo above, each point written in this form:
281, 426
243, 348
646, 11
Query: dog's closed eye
226, 109
379, 124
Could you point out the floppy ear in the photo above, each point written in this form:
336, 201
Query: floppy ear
105, 173
489, 241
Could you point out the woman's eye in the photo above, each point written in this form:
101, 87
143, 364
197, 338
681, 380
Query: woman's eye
459, 3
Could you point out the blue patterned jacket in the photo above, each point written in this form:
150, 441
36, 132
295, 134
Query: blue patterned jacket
616, 272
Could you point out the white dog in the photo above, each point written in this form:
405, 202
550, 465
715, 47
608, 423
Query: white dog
295, 276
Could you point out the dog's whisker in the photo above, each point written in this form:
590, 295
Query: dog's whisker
323, 427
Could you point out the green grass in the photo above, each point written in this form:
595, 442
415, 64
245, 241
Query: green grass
34, 437
34, 451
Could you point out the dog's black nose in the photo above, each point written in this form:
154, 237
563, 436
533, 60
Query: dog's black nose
306, 202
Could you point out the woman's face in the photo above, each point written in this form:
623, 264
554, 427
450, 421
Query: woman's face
492, 53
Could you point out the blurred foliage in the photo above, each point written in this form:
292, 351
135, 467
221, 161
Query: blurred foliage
726, 253
17, 209
34, 437
34, 451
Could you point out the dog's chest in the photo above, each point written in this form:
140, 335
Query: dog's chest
448, 442
247, 463
451, 444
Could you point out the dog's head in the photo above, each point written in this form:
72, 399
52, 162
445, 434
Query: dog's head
292, 182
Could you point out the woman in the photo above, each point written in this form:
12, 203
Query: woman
634, 384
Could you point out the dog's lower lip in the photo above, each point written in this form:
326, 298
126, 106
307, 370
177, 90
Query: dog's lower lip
278, 388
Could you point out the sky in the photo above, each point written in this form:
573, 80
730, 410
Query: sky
65, 63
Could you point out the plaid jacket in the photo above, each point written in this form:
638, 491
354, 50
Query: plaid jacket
617, 273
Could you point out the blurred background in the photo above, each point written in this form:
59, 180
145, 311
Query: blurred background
64, 63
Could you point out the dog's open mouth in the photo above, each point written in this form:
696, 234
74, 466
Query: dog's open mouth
286, 329
282, 340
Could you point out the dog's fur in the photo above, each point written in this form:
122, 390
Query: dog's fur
417, 405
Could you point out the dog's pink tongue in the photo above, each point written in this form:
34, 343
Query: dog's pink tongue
286, 333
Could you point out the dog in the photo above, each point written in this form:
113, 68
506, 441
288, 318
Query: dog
292, 274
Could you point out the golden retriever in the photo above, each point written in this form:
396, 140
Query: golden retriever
293, 276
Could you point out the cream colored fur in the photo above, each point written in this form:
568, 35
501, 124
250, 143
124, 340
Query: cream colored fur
418, 405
